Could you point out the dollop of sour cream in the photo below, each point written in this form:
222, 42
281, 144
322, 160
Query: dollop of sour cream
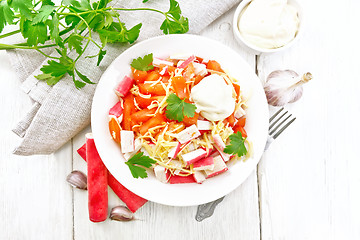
213, 98
269, 23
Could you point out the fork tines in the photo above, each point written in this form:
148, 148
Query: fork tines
286, 121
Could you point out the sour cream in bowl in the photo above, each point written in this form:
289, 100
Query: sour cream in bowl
267, 25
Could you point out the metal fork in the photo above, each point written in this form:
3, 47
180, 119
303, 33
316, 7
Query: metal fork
276, 126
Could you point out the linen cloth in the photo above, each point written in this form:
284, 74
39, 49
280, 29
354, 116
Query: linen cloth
61, 111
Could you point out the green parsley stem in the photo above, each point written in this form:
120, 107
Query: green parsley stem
9, 34
46, 55
136, 9
89, 39
8, 46
94, 42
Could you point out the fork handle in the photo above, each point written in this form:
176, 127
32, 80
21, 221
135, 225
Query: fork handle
206, 210
268, 143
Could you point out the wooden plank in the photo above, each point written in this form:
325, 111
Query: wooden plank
309, 181
35, 198
237, 217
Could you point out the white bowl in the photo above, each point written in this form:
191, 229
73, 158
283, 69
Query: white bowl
255, 49
191, 193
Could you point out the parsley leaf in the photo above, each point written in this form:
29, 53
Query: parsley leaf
23, 6
55, 69
108, 19
177, 108
237, 145
6, 15
173, 27
50, 80
139, 160
44, 13
132, 34
101, 56
117, 32
83, 77
47, 2
174, 10
75, 41
100, 4
174, 22
35, 33
143, 64
54, 30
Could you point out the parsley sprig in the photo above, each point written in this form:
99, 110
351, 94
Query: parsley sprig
143, 63
70, 26
177, 108
138, 160
237, 145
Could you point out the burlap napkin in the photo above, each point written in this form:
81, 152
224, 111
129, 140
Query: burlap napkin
61, 111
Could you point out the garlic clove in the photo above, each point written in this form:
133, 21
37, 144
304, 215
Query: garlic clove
121, 213
284, 86
77, 179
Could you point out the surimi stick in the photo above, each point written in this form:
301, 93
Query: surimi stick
132, 201
97, 183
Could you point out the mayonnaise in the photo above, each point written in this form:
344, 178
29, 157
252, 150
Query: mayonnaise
269, 23
213, 98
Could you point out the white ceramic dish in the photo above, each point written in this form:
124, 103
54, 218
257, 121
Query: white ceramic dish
180, 194
255, 49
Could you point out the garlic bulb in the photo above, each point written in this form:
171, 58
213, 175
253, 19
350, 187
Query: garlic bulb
284, 86
77, 179
121, 213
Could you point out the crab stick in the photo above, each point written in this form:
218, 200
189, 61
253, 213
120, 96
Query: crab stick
127, 141
187, 62
174, 151
175, 179
132, 201
157, 62
219, 167
239, 112
225, 156
96, 182
137, 147
193, 156
161, 174
117, 111
188, 134
124, 86
219, 142
199, 176
200, 69
206, 163
203, 125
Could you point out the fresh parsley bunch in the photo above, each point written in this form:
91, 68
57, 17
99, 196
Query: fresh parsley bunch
70, 26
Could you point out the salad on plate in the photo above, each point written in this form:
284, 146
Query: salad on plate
182, 116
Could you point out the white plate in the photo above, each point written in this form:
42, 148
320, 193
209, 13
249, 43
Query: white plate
190, 193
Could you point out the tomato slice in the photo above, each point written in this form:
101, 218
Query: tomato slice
157, 120
188, 121
114, 128
142, 115
153, 76
129, 108
214, 65
139, 76
179, 85
239, 127
148, 88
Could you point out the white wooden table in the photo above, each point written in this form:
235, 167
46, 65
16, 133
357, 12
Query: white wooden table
306, 186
